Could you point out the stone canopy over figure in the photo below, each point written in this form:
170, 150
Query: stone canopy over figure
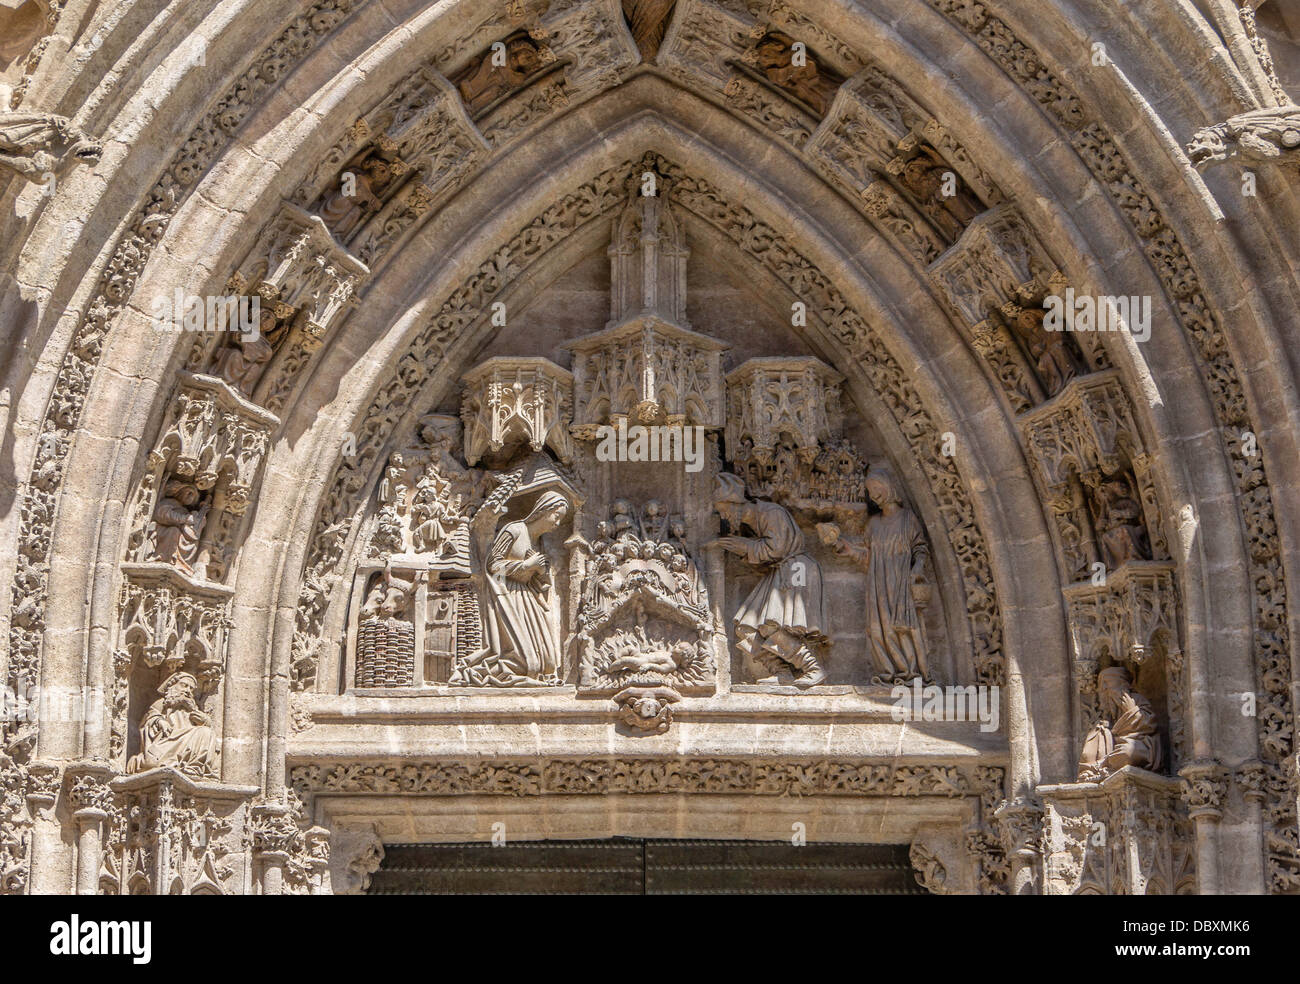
893, 554
783, 621
521, 618
1129, 737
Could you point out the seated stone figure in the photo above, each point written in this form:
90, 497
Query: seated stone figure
176, 733
1129, 737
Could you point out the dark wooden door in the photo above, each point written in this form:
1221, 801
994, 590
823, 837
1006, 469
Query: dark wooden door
624, 866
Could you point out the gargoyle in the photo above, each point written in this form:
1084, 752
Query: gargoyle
1264, 136
38, 144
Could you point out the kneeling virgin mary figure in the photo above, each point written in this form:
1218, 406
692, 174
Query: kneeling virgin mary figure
522, 621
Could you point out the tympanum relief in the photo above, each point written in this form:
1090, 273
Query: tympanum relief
642, 527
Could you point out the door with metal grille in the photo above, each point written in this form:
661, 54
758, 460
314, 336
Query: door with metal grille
624, 866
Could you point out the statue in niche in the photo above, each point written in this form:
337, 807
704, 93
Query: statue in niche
241, 361
386, 634
345, 213
179, 524
1129, 737
483, 83
1118, 518
773, 56
1047, 350
176, 733
782, 622
521, 619
893, 554
924, 176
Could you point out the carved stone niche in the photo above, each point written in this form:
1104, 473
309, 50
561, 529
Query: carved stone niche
168, 834
995, 278
305, 282
188, 510
645, 628
647, 256
169, 665
1127, 835
646, 370
1088, 455
512, 401
784, 423
1131, 620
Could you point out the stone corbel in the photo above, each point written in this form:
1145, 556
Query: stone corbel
355, 854
941, 862
1020, 826
1128, 834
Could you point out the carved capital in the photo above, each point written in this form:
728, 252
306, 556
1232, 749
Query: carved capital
1205, 784
1252, 777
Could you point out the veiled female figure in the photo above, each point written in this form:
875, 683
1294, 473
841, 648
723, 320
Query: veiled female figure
894, 558
522, 620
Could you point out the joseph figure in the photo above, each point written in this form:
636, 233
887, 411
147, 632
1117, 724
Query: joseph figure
782, 622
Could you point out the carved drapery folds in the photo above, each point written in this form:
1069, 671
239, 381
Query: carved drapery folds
1127, 835
199, 480
513, 401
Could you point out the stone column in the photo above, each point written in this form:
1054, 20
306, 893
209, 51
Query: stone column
89, 799
1250, 777
1205, 783
43, 781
